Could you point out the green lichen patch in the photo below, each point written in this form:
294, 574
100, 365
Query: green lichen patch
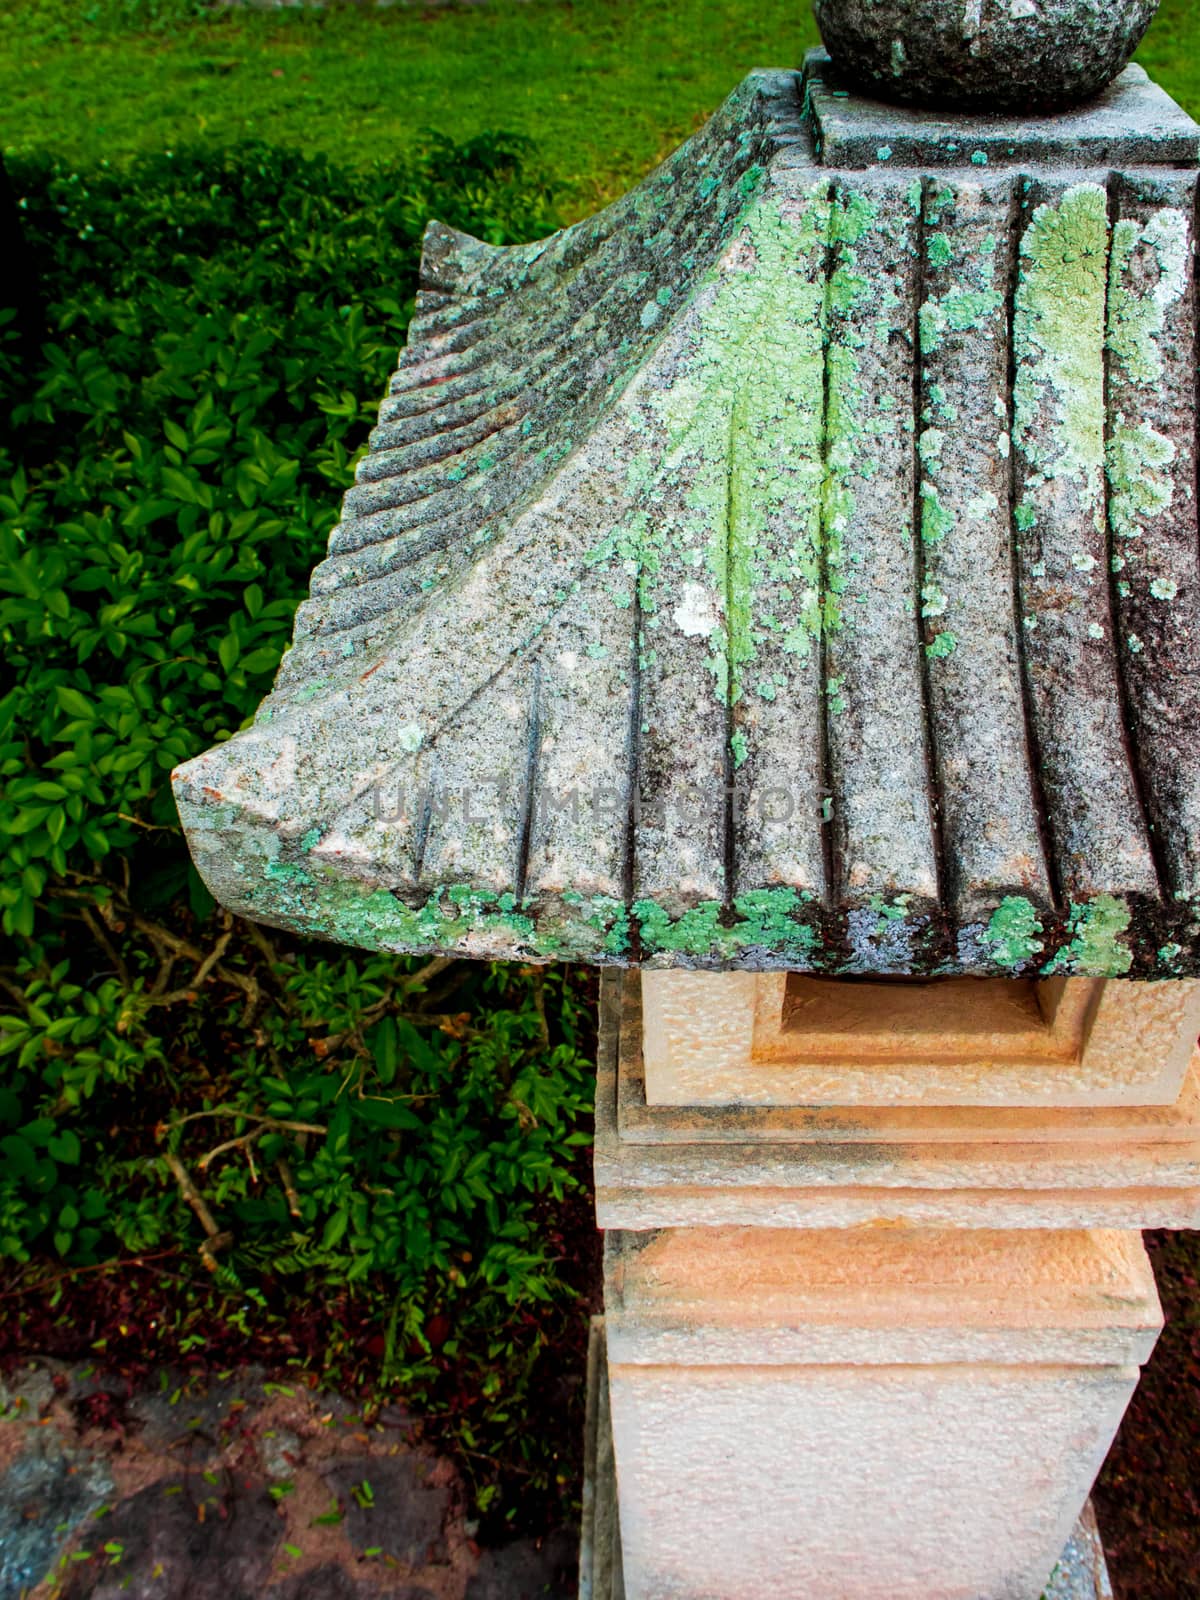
766, 919
1169, 956
889, 911
744, 422
1059, 332
1013, 933
1097, 948
1140, 487
1137, 310
960, 310
937, 520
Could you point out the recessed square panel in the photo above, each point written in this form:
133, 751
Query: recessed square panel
942, 1019
785, 1039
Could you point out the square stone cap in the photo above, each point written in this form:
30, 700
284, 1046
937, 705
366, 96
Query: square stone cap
1132, 123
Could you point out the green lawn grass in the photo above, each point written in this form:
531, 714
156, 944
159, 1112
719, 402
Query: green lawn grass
605, 87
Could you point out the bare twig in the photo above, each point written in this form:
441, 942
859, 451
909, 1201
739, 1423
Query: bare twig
214, 1239
121, 1265
166, 940
451, 1023
211, 959
13, 990
246, 1116
157, 993
150, 827
438, 997
289, 1187
257, 937
243, 1141
431, 969
100, 934
539, 1002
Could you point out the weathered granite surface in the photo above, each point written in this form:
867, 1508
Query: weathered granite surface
793, 566
984, 55
1133, 122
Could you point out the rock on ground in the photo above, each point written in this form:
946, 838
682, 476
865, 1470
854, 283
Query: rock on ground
237, 1489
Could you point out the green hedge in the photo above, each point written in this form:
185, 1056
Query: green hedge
221, 328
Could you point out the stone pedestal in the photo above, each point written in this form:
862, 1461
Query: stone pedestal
877, 1351
1080, 1573
909, 1414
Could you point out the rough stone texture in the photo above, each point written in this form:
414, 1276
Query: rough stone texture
734, 1038
1019, 55
1081, 1572
711, 597
835, 1167
1133, 123
49, 1488
411, 1532
912, 1416
920, 1296
162, 1529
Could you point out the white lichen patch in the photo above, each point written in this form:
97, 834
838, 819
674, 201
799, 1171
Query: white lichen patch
1138, 308
696, 614
982, 506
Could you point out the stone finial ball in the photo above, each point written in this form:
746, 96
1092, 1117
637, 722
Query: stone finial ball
983, 55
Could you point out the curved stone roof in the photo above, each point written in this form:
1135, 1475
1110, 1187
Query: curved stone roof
795, 565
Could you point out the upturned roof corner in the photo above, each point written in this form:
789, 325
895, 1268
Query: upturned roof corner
795, 565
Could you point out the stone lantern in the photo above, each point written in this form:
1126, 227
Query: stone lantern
783, 590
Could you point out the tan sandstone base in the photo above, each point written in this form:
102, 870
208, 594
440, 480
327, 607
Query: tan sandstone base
1081, 1572
872, 1414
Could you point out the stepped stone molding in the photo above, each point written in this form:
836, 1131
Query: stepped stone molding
793, 567
880, 1164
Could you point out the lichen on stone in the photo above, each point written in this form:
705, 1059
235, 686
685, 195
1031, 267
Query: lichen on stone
1096, 948
1137, 317
1059, 331
1013, 933
763, 919
744, 424
1139, 486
